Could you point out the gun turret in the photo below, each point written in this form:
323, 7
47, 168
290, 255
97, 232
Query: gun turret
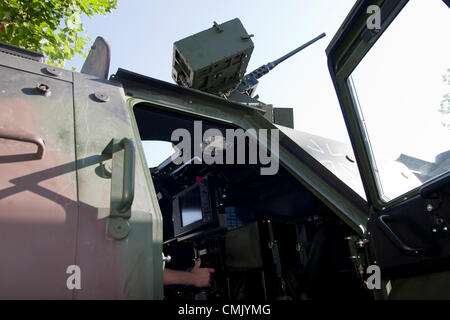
250, 80
215, 60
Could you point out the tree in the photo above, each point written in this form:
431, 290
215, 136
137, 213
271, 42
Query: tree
52, 27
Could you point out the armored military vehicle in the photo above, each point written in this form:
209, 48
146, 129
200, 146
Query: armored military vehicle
277, 212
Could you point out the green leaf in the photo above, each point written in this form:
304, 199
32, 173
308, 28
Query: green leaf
51, 27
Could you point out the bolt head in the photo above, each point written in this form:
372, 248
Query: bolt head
101, 97
53, 71
43, 89
429, 207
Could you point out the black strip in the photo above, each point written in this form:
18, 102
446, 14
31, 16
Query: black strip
20, 52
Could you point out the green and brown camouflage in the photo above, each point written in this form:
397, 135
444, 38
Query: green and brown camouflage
56, 210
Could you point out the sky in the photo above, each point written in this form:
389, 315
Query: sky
141, 36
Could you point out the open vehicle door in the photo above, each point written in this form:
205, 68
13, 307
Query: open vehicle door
388, 61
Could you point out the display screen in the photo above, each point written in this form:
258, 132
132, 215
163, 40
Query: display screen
191, 207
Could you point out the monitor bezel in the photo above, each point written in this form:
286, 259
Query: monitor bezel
207, 207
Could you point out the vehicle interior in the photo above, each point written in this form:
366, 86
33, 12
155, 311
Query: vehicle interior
266, 236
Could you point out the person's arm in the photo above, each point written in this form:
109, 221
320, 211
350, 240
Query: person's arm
197, 277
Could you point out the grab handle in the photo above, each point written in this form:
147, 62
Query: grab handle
128, 175
123, 172
25, 137
396, 240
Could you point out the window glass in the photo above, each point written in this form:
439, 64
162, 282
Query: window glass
402, 89
157, 151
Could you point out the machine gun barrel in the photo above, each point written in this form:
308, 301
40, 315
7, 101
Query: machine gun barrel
258, 73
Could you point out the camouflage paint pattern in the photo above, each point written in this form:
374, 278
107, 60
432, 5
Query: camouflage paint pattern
54, 211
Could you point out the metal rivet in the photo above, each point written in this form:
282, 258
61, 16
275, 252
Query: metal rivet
53, 71
429, 207
434, 230
101, 97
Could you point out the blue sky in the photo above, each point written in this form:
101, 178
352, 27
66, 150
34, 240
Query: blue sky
141, 35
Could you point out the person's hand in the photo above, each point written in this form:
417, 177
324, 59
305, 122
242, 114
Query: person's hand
201, 277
